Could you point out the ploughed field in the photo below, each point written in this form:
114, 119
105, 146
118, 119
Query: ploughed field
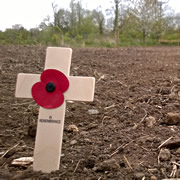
130, 131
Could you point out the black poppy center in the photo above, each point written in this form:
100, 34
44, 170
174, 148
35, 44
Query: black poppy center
50, 87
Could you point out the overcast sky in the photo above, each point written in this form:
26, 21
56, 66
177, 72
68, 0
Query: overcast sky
29, 13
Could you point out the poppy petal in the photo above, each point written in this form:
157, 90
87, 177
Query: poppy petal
45, 99
56, 77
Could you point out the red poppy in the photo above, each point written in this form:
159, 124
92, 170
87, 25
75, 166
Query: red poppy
49, 92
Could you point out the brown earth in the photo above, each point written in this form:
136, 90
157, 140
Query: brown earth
136, 88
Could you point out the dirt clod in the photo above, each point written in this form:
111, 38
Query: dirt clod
153, 178
139, 175
172, 118
73, 142
72, 129
108, 165
165, 155
150, 121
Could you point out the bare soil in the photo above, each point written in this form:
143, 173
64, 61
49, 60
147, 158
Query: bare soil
124, 139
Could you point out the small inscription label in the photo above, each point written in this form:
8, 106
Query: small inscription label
50, 121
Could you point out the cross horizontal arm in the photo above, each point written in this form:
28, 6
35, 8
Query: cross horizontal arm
24, 84
80, 89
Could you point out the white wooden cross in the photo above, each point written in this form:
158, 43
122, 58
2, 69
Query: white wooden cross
49, 135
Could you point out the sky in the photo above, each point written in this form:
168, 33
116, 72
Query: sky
30, 13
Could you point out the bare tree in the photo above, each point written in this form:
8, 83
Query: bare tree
116, 22
150, 16
119, 9
99, 18
54, 7
177, 21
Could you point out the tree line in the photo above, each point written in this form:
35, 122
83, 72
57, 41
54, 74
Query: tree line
127, 22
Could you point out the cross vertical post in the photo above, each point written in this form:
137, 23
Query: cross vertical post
51, 121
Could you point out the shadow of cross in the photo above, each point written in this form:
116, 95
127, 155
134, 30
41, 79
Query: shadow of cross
50, 126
